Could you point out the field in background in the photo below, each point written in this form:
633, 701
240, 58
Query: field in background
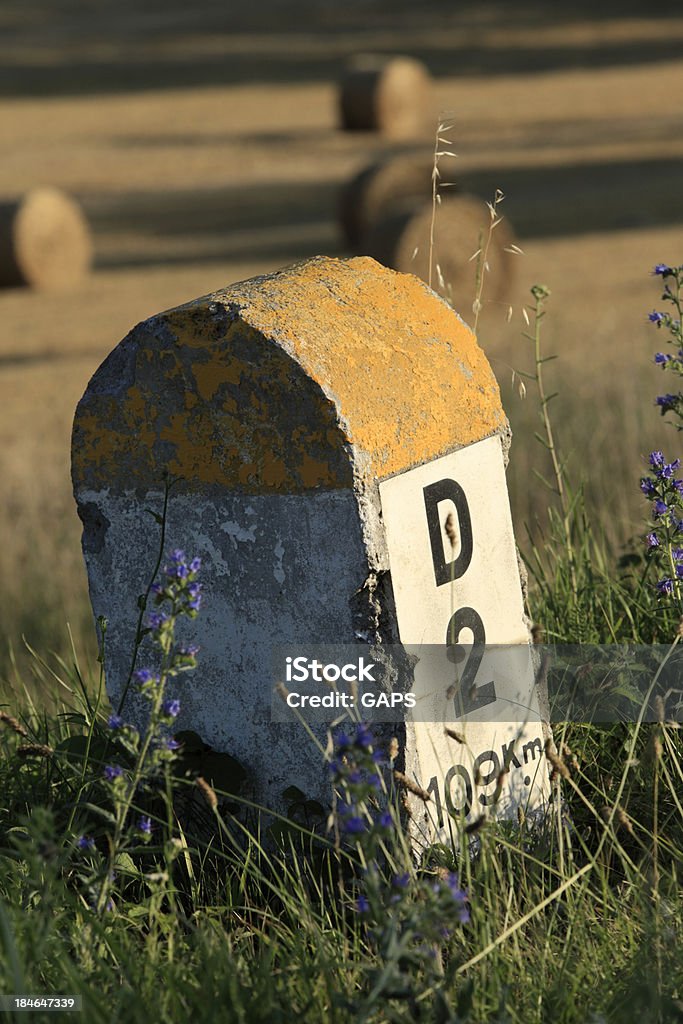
204, 154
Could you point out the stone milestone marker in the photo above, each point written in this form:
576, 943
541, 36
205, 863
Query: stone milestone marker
322, 422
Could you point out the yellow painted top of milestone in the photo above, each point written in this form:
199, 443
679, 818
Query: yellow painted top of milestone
324, 373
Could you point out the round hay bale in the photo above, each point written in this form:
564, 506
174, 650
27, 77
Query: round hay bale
390, 95
402, 241
381, 189
44, 241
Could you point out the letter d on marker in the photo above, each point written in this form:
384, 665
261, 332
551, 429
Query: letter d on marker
448, 490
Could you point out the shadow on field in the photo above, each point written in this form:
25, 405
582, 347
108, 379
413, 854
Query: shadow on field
264, 222
290, 221
576, 199
49, 48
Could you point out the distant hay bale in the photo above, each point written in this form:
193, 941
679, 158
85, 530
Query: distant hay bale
389, 95
390, 186
402, 241
44, 241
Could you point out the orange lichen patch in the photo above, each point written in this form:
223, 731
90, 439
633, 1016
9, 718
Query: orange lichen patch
288, 383
210, 375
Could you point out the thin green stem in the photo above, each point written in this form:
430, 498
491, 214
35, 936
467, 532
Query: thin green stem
142, 602
540, 294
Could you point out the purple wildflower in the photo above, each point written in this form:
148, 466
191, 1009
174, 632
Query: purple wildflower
354, 825
659, 509
652, 540
112, 771
177, 567
459, 896
187, 651
115, 722
665, 587
85, 843
666, 402
453, 883
156, 620
647, 486
662, 358
364, 738
656, 318
362, 904
662, 270
342, 741
171, 708
145, 825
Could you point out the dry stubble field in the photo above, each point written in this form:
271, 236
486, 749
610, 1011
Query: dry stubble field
211, 154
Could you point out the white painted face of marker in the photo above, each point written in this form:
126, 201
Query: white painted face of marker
456, 580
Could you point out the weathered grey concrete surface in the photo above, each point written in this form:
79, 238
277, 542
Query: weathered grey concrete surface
278, 405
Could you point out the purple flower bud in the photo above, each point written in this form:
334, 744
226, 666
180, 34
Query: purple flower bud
194, 593
187, 650
364, 738
145, 825
668, 470
342, 741
666, 402
453, 883
115, 722
362, 905
171, 708
155, 620
354, 825
144, 675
